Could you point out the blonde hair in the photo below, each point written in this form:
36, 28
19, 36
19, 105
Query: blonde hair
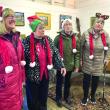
3, 29
6, 12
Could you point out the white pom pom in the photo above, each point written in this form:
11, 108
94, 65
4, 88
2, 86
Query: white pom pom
91, 57
49, 67
74, 50
105, 48
0, 18
23, 63
62, 59
8, 69
32, 64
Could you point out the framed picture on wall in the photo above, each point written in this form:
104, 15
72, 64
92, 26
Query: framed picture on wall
46, 17
19, 19
92, 20
63, 17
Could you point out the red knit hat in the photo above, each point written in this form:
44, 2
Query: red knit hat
33, 18
34, 22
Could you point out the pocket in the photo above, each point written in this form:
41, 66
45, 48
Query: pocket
3, 81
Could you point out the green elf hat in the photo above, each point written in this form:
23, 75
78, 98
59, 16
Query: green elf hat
34, 22
8, 12
5, 12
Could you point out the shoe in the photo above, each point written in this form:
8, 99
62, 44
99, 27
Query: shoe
59, 103
84, 101
68, 101
93, 100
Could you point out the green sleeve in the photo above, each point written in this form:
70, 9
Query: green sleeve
83, 40
77, 55
56, 41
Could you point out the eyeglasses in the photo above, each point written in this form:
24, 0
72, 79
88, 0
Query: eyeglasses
11, 17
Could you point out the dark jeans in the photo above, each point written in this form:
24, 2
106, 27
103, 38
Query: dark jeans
37, 94
87, 79
59, 83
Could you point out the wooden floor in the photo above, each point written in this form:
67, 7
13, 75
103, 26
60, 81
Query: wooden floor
52, 105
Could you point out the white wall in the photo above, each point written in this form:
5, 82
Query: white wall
88, 8
29, 8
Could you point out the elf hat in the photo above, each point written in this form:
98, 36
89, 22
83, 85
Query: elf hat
34, 22
5, 12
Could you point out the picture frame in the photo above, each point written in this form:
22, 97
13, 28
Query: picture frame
92, 20
46, 17
19, 17
63, 17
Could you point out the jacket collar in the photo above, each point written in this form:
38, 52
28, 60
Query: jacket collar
65, 35
91, 30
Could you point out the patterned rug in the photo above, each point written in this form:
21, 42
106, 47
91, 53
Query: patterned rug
51, 94
76, 94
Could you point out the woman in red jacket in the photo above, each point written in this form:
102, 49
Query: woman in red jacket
11, 63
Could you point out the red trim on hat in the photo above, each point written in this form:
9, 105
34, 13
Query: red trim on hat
32, 18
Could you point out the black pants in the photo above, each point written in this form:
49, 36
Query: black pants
87, 79
59, 83
37, 94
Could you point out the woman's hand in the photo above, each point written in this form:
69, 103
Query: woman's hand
76, 70
63, 71
106, 62
81, 62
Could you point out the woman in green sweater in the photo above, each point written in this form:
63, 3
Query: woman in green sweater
68, 45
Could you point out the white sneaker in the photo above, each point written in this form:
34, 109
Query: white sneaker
84, 101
